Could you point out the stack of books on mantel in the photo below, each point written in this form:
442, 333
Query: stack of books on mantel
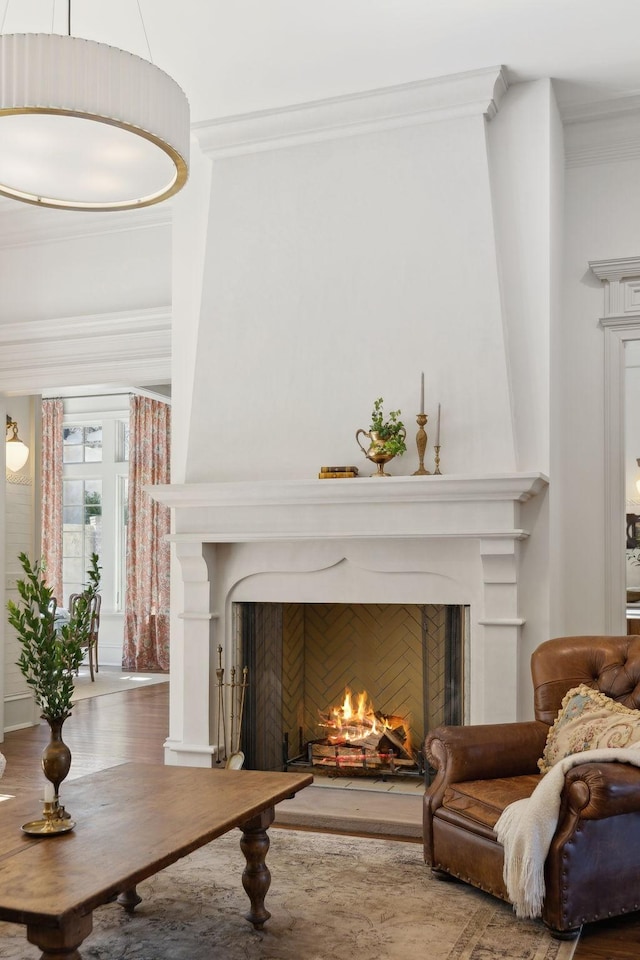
337, 473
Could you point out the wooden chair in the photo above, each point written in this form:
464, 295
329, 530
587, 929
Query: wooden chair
92, 645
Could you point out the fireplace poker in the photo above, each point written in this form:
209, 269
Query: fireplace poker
220, 677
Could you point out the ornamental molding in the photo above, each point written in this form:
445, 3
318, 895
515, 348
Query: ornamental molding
129, 347
621, 280
475, 93
603, 137
18, 479
483, 507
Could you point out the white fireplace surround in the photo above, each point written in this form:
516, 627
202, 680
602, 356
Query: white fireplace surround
434, 539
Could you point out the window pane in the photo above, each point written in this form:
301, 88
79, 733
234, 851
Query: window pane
82, 444
93, 497
93, 443
72, 515
72, 454
93, 454
72, 435
72, 492
82, 530
123, 512
74, 572
72, 543
92, 540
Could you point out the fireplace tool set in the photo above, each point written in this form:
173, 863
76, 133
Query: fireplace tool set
236, 688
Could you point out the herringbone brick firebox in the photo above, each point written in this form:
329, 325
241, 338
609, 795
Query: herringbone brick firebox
303, 657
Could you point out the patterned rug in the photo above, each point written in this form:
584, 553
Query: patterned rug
331, 898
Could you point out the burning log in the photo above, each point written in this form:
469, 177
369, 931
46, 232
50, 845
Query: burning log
363, 738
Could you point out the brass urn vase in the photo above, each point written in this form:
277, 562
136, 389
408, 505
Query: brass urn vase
56, 756
376, 451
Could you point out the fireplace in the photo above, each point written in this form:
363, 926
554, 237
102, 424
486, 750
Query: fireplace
435, 540
348, 689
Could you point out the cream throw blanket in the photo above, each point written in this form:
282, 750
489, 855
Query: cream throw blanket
526, 828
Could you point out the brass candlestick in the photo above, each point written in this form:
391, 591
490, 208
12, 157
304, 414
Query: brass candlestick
437, 469
421, 443
54, 820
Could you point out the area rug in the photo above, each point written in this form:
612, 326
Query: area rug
112, 680
331, 898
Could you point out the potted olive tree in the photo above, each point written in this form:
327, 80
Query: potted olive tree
51, 654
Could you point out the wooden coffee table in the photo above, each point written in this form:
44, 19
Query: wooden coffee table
132, 820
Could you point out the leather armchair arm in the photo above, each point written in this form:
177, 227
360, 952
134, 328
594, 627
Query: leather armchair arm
486, 751
594, 791
481, 752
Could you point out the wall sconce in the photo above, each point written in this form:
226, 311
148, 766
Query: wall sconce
17, 452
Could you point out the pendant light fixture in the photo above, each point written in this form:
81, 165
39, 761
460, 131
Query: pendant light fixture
86, 126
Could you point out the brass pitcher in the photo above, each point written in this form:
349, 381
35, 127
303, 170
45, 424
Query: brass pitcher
376, 452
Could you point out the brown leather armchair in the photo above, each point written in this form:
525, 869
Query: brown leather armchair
592, 868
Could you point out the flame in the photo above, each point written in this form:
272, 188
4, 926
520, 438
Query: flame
354, 722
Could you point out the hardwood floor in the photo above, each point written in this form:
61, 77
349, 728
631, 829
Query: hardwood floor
133, 725
101, 732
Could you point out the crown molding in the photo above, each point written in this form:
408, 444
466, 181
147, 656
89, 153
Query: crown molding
476, 93
600, 109
600, 137
109, 348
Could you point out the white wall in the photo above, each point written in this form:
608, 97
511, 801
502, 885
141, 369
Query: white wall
335, 272
601, 217
632, 427
527, 165
524, 161
21, 532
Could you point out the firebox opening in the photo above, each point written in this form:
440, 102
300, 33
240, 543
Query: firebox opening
313, 665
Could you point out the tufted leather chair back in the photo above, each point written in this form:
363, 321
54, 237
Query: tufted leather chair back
608, 664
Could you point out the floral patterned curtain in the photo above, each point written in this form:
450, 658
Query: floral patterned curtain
51, 545
146, 622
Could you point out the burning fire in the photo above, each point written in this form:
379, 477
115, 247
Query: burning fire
354, 722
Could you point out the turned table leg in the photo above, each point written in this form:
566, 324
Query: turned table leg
256, 878
61, 944
129, 899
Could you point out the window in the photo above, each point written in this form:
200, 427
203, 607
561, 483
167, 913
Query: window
81, 530
95, 478
82, 444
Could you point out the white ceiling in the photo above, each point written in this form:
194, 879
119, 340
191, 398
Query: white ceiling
237, 56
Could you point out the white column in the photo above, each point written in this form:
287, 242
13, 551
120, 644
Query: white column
499, 629
190, 741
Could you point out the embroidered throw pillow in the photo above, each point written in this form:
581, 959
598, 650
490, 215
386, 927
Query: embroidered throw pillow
589, 720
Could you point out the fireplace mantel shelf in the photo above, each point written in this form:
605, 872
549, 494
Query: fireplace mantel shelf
399, 507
